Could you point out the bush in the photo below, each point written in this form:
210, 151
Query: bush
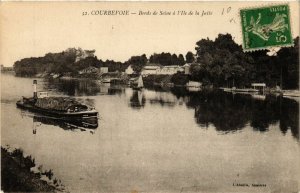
180, 79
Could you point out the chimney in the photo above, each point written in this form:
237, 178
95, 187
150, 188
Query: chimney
34, 89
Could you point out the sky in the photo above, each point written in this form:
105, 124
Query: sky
32, 29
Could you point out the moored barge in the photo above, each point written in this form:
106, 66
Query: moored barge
64, 108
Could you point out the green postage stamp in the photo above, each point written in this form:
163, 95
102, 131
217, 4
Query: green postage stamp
266, 27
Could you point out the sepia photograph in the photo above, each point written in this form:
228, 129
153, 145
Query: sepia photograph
150, 97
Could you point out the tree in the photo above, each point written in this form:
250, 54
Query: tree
166, 59
189, 57
281, 68
223, 62
138, 62
288, 60
174, 59
181, 61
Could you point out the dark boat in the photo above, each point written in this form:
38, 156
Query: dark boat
64, 108
73, 124
70, 111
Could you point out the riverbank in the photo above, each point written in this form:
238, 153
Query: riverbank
174, 80
17, 174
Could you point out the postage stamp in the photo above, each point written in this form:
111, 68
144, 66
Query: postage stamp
266, 27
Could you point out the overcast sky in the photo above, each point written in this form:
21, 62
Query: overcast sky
33, 29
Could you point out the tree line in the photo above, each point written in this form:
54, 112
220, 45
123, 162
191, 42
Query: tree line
73, 60
223, 63
219, 62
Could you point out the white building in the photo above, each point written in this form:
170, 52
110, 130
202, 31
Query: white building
187, 68
194, 84
161, 70
129, 70
103, 69
169, 70
148, 70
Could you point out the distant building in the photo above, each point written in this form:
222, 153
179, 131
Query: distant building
161, 70
259, 86
150, 69
89, 70
187, 68
103, 69
169, 70
1, 67
129, 70
194, 84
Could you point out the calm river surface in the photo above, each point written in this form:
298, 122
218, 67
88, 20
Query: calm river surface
159, 140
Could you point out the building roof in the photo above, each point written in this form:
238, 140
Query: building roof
258, 84
172, 66
151, 67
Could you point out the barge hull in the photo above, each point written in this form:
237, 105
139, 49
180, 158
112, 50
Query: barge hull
61, 115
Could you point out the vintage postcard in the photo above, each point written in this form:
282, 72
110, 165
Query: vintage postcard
150, 97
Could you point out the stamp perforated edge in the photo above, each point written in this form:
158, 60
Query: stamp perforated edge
265, 47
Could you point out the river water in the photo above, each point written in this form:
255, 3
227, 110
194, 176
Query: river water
159, 140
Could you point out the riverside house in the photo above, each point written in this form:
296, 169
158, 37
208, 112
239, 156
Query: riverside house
187, 68
161, 70
170, 70
150, 69
103, 70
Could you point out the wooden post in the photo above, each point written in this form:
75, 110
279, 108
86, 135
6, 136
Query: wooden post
34, 89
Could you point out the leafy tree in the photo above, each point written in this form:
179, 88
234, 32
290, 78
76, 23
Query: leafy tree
167, 59
174, 59
138, 62
288, 60
281, 68
179, 79
189, 57
222, 62
181, 61
70, 60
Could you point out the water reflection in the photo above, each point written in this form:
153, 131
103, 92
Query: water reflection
224, 112
82, 87
89, 124
166, 97
231, 112
227, 112
289, 116
73, 87
146, 125
137, 100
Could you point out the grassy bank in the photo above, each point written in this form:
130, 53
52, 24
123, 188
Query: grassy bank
16, 174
